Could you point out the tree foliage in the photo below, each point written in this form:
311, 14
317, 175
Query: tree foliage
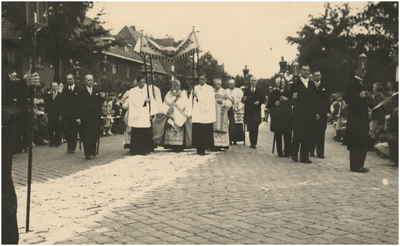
69, 33
209, 65
333, 42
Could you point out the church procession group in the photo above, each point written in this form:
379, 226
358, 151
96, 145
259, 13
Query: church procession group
204, 118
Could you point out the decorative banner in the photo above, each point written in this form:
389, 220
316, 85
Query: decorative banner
185, 48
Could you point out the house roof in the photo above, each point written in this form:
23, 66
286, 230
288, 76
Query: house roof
9, 30
124, 53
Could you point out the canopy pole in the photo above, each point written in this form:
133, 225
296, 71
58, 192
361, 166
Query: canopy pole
147, 83
151, 74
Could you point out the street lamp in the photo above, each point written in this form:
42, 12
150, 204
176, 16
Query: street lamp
283, 65
245, 72
104, 66
362, 62
283, 68
77, 69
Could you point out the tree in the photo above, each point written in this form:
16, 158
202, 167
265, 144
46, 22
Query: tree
210, 67
331, 43
70, 34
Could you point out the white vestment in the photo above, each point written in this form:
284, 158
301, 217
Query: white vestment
204, 107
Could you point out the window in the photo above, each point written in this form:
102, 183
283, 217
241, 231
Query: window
114, 69
11, 57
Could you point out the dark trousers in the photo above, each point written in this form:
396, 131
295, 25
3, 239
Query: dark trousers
9, 203
70, 130
305, 141
90, 132
357, 157
141, 141
253, 133
318, 141
287, 139
232, 125
54, 129
393, 143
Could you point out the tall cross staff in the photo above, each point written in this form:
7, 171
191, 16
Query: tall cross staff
145, 71
36, 18
193, 73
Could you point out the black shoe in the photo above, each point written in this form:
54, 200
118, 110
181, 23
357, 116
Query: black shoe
312, 154
281, 155
234, 143
295, 159
88, 157
320, 156
306, 161
361, 170
253, 146
94, 154
51, 145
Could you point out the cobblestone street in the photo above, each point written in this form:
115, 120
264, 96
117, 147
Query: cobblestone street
239, 196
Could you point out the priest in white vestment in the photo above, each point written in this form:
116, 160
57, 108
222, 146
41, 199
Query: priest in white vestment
221, 125
235, 95
141, 107
169, 127
203, 116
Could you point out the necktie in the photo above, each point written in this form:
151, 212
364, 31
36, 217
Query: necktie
54, 95
90, 90
70, 88
252, 89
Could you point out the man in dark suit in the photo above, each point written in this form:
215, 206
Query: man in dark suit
253, 98
357, 129
280, 107
53, 111
89, 113
322, 106
69, 113
303, 91
14, 95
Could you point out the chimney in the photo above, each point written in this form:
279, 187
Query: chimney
133, 28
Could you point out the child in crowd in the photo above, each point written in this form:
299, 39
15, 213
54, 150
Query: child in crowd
107, 113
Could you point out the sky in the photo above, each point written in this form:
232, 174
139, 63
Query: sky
235, 33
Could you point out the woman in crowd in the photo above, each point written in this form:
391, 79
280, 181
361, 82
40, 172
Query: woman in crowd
377, 119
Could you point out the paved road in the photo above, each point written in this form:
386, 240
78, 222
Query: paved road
239, 196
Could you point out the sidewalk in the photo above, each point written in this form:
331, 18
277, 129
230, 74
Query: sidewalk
238, 196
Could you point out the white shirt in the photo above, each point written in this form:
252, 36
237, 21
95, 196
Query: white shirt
317, 84
204, 107
71, 87
89, 89
236, 96
139, 116
305, 82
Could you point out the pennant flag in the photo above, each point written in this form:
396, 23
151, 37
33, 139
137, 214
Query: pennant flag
185, 48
